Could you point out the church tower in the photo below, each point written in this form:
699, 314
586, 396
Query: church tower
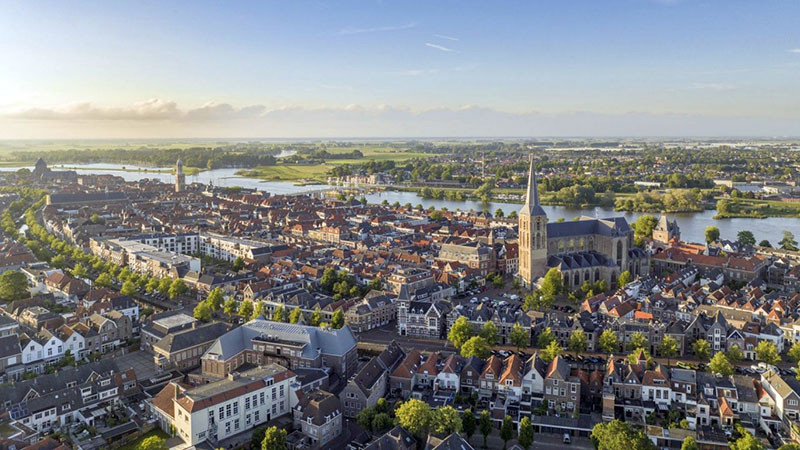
180, 178
532, 235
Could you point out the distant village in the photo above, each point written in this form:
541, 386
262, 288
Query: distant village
217, 318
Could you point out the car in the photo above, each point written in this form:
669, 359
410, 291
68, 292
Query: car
566, 439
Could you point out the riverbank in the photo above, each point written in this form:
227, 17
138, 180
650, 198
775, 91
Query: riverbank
755, 209
288, 172
188, 171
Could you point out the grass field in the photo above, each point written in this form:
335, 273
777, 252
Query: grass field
135, 444
288, 172
760, 209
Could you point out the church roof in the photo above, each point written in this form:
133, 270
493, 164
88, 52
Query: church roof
532, 206
614, 226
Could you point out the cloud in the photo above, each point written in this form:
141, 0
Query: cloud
794, 50
164, 119
444, 36
418, 72
351, 30
439, 47
719, 87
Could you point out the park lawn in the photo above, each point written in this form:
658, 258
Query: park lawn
135, 444
288, 172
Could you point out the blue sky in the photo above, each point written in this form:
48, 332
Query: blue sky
161, 69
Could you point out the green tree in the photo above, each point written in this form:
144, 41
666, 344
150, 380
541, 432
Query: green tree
794, 353
578, 341
689, 444
489, 332
257, 437
279, 315
507, 431
734, 354
274, 439
485, 426
152, 443
745, 237
215, 299
545, 338
316, 318
643, 228
337, 320
128, 288
258, 310
788, 242
551, 351
13, 286
468, 423
712, 234
767, 352
746, 441
475, 346
80, 271
701, 349
668, 347
152, 285
616, 435
415, 416
295, 315
637, 340
381, 422
519, 337
59, 261
719, 365
552, 285
164, 285
246, 309
238, 264
203, 311
104, 279
765, 243
230, 307
525, 438
365, 418
177, 288
608, 341
790, 446
446, 421
624, 278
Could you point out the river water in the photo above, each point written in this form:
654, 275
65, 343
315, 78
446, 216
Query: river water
692, 225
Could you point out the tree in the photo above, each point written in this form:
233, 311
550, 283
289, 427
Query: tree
550, 352
637, 340
765, 243
499, 212
643, 228
381, 422
525, 438
734, 354
246, 309
767, 352
485, 425
512, 215
552, 284
152, 443
519, 337
258, 310
712, 234
128, 288
788, 242
668, 347
104, 279
274, 439
295, 315
746, 441
13, 286
337, 320
701, 349
177, 288
152, 285
238, 264
279, 315
365, 418
578, 341
80, 271
507, 430
468, 423
446, 421
790, 446
608, 341
617, 435
624, 278
475, 346
230, 307
257, 437
745, 237
415, 416
794, 353
689, 444
545, 338
719, 365
316, 318
163, 286
489, 332
203, 311
215, 299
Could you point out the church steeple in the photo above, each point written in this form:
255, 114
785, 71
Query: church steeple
532, 206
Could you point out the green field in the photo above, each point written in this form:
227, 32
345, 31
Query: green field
759, 209
288, 172
135, 444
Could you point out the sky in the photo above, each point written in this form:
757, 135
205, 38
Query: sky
295, 69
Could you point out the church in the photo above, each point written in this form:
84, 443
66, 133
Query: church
587, 249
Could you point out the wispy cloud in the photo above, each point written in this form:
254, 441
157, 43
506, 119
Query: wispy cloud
719, 87
439, 47
418, 72
352, 30
444, 36
794, 50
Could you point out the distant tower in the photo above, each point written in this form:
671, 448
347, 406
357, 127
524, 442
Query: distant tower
532, 234
180, 178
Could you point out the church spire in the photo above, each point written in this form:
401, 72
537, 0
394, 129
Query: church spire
532, 206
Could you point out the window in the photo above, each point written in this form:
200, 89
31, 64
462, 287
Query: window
247, 403
236, 408
261, 395
221, 412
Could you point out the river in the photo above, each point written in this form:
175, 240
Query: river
692, 225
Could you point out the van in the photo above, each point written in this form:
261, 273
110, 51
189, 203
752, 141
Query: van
566, 439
